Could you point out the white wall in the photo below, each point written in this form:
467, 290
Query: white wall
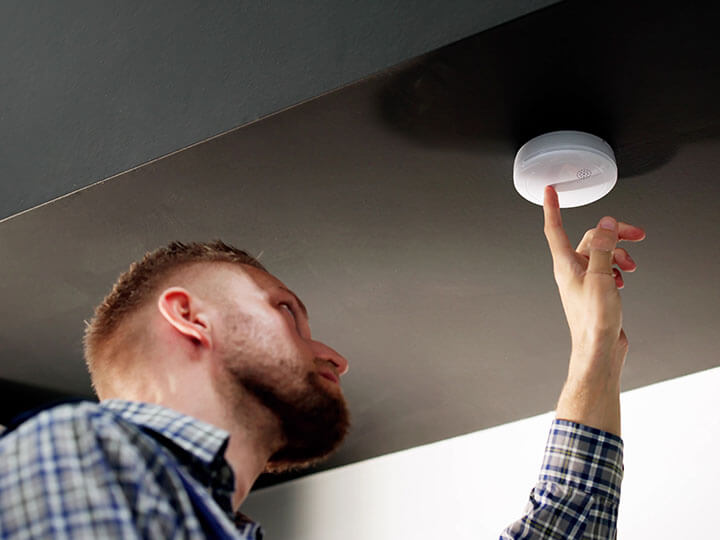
471, 487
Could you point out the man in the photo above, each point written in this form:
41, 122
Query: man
208, 375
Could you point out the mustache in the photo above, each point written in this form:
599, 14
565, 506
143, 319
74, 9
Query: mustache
322, 363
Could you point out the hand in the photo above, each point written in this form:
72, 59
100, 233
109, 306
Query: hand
588, 287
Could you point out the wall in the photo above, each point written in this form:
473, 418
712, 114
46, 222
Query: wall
471, 487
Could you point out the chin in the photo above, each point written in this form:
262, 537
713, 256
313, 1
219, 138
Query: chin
314, 429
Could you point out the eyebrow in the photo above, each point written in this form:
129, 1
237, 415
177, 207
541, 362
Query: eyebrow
300, 302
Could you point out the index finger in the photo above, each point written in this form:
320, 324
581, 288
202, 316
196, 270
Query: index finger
557, 238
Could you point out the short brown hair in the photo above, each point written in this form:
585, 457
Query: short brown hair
136, 286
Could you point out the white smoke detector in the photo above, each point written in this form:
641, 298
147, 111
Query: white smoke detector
581, 167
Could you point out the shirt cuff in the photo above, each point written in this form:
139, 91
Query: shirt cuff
584, 458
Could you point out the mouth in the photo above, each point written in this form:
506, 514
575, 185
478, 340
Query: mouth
329, 376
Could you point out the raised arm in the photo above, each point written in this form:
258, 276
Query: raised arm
578, 491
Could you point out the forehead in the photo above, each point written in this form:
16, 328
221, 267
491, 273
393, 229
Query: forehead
261, 278
245, 276
225, 280
220, 276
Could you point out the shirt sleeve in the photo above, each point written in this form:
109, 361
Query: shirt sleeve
578, 491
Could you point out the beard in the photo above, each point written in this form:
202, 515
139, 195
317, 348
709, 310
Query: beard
314, 420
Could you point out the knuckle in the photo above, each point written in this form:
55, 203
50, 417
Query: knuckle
602, 241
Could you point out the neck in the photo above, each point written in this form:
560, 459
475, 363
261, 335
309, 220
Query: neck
254, 438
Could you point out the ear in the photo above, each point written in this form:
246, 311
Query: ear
182, 311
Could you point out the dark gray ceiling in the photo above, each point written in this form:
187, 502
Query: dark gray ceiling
90, 89
389, 207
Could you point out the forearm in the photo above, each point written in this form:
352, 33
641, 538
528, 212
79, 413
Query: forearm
592, 399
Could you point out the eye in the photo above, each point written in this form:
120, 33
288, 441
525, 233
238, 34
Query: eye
290, 309
299, 321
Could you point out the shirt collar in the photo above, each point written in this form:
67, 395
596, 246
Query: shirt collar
204, 441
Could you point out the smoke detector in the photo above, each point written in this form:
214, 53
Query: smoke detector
580, 166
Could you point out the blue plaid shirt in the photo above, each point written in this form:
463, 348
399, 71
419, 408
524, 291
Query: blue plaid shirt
112, 470
578, 492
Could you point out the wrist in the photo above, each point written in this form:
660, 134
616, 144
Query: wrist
591, 402
596, 367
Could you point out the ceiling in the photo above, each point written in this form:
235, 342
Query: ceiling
92, 89
388, 206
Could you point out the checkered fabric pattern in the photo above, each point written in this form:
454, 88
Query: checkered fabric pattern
111, 470
578, 491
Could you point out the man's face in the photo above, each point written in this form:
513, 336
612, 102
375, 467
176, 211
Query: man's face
267, 351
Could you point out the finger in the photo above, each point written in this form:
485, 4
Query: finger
623, 259
627, 233
630, 233
618, 278
558, 240
602, 247
620, 257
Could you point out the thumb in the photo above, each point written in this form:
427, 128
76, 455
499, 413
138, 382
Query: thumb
602, 246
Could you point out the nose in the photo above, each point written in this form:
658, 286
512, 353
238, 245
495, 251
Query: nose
324, 352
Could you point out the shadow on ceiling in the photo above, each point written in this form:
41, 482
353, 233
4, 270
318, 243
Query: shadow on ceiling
644, 77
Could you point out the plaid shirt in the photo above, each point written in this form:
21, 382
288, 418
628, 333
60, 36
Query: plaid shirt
578, 491
111, 471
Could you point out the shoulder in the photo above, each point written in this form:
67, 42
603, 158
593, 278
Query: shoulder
78, 460
74, 432
47, 462
65, 440
74, 425
78, 439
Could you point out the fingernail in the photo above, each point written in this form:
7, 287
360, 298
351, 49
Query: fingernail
607, 223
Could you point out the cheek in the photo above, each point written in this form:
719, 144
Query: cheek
267, 338
244, 335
